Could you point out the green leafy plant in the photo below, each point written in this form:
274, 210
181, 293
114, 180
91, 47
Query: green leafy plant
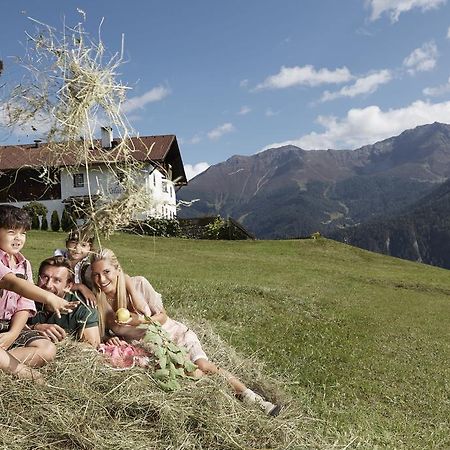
44, 223
215, 229
171, 361
35, 224
54, 221
67, 222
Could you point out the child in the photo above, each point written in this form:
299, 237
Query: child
78, 250
112, 293
19, 345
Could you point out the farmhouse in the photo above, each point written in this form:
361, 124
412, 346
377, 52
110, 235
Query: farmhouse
23, 169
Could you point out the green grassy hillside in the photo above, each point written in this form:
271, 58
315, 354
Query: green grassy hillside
359, 340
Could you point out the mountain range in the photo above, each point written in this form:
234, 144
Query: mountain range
289, 192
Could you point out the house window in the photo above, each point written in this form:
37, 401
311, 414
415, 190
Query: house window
171, 191
164, 186
78, 180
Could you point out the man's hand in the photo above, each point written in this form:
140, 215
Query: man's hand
58, 305
7, 339
51, 331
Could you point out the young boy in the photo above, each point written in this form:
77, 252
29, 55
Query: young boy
78, 251
19, 345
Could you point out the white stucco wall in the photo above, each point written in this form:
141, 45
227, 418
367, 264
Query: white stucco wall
102, 180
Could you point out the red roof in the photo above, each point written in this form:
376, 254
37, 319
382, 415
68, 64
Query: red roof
162, 149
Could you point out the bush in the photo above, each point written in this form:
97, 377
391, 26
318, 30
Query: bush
54, 221
36, 209
67, 222
35, 225
44, 223
154, 226
215, 229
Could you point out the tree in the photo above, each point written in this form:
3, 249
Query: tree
67, 222
36, 209
54, 221
44, 223
35, 222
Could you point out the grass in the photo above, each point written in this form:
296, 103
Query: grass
359, 340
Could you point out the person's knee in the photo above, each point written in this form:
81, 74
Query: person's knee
46, 349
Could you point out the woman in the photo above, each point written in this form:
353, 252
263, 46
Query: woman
109, 286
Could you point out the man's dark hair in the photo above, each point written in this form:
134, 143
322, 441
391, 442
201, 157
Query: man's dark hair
58, 261
14, 218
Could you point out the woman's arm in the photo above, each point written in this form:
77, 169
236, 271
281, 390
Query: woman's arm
126, 332
138, 304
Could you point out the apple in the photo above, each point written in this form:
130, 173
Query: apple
123, 315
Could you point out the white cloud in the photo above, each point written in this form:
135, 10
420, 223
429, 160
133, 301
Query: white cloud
364, 85
368, 125
437, 90
395, 7
219, 131
422, 59
448, 33
306, 75
153, 95
243, 83
270, 112
244, 110
194, 170
195, 139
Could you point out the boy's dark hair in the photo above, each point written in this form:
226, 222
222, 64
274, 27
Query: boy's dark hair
80, 235
14, 218
58, 261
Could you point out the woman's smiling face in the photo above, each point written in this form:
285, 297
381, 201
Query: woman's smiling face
104, 276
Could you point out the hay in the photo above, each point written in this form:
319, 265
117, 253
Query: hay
70, 90
87, 405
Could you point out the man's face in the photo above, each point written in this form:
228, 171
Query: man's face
55, 280
12, 240
78, 250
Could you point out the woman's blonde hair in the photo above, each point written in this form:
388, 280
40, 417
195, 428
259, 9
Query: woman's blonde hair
121, 300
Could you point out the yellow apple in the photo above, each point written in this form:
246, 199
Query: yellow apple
122, 315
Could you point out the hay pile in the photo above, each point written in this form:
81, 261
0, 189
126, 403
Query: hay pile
87, 405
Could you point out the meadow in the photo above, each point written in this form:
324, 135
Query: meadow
354, 343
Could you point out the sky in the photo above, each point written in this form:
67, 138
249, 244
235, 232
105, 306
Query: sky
240, 76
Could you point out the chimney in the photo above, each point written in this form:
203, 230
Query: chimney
36, 143
106, 137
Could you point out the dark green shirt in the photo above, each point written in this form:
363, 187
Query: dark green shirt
75, 322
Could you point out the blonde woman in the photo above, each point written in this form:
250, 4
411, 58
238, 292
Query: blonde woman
109, 286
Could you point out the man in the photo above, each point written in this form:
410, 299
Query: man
56, 276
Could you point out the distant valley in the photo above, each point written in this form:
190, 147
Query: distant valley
288, 192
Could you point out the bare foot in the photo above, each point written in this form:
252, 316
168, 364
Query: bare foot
27, 373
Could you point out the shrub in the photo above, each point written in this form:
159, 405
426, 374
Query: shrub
154, 226
54, 221
67, 222
35, 225
215, 229
36, 209
44, 223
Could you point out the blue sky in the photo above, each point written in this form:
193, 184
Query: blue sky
238, 76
